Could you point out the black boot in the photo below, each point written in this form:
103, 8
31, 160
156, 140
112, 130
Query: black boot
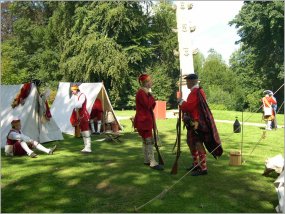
193, 168
157, 167
199, 172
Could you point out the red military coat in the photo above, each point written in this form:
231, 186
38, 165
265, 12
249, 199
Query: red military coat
145, 104
198, 109
268, 101
191, 106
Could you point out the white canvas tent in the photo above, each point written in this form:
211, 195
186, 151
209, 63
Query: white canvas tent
279, 186
276, 164
29, 113
62, 106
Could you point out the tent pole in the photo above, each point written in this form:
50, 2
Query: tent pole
38, 106
103, 106
241, 138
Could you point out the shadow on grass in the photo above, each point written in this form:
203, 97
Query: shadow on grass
113, 179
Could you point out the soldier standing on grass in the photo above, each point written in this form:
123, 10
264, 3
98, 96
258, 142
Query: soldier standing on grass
143, 121
201, 128
80, 115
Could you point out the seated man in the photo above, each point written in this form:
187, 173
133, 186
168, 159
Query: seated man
20, 144
96, 116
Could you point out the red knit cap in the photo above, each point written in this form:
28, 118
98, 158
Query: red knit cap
143, 78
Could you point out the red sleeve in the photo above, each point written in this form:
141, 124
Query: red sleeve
272, 101
191, 105
25, 90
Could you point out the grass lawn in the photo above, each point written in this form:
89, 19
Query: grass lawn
222, 115
114, 179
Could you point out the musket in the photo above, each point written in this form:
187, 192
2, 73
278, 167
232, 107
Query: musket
160, 160
174, 146
178, 131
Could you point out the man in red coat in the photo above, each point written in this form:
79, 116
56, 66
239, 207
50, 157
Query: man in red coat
268, 111
201, 128
144, 120
20, 144
96, 116
81, 116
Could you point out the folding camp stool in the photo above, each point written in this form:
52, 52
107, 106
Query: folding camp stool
112, 136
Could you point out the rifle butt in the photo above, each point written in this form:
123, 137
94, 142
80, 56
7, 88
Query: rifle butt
160, 160
174, 146
77, 131
174, 169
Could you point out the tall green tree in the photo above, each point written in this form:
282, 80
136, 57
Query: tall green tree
96, 41
23, 49
198, 61
261, 58
220, 83
165, 65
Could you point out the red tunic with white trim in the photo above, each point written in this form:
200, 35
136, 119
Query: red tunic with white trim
268, 101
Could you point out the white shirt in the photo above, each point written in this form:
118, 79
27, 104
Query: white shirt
77, 103
14, 135
195, 86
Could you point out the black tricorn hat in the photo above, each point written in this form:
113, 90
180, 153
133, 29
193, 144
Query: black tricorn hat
191, 77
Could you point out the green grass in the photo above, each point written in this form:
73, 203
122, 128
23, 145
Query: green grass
222, 115
113, 178
247, 116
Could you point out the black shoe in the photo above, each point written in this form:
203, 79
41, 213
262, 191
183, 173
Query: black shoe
193, 168
146, 164
157, 167
199, 172
52, 150
33, 155
97, 133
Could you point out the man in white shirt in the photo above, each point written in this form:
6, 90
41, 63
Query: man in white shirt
20, 144
81, 116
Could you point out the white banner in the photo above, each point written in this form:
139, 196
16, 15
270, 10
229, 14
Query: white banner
185, 28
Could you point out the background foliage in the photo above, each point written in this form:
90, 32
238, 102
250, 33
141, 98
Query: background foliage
116, 41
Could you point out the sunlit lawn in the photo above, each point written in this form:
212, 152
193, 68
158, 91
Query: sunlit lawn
223, 115
114, 179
